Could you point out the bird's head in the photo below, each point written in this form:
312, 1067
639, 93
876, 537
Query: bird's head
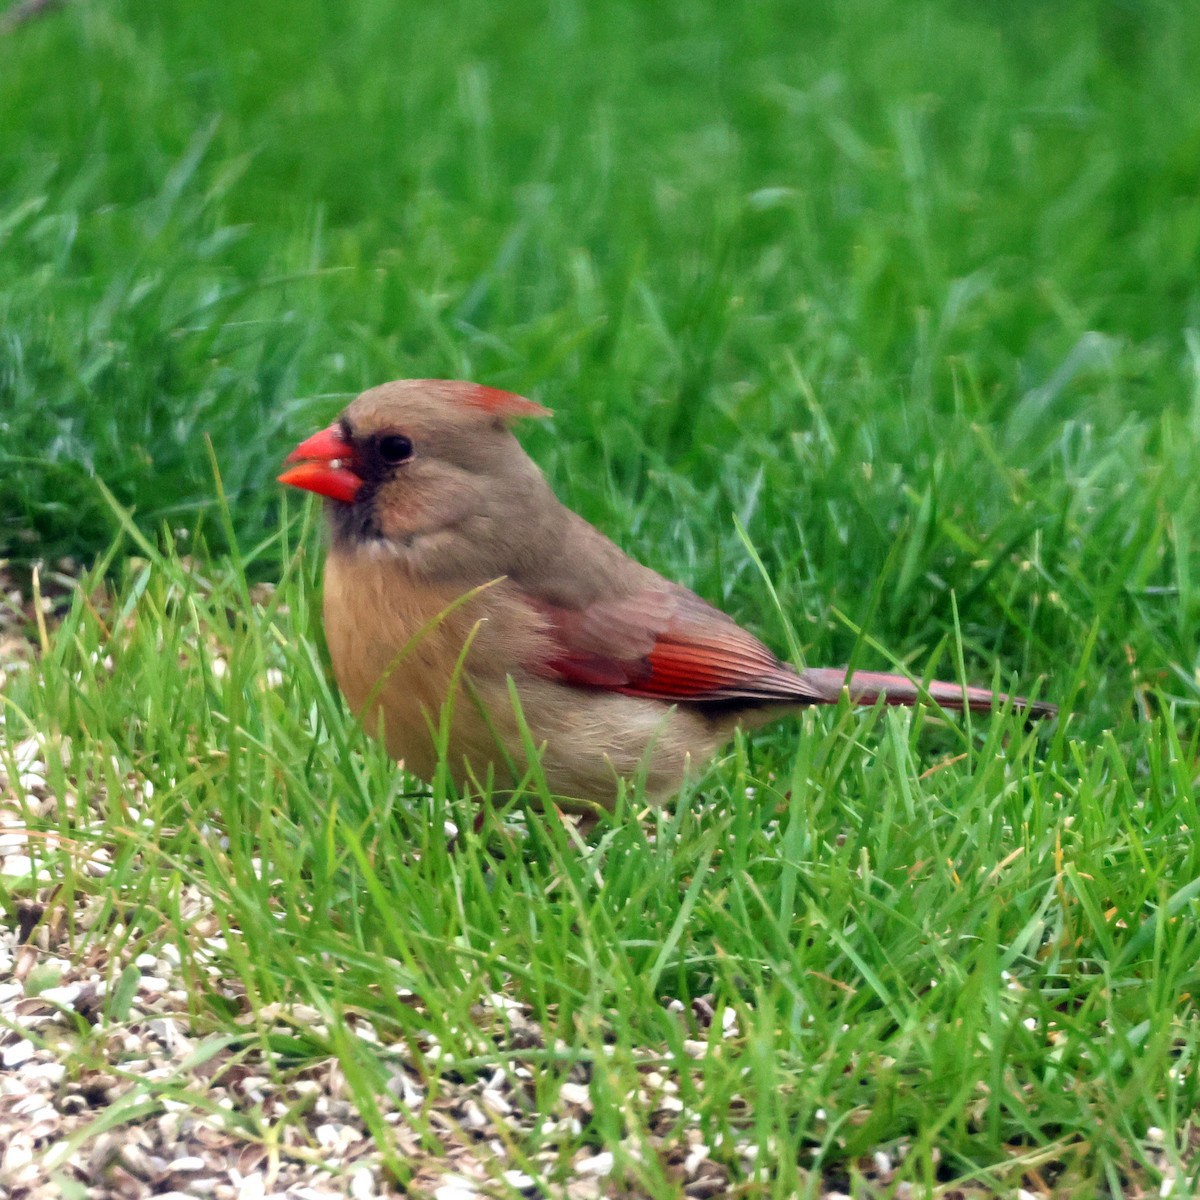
417, 457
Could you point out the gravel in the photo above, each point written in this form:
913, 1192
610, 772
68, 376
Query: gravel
112, 1086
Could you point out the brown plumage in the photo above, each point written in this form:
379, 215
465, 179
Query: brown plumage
454, 571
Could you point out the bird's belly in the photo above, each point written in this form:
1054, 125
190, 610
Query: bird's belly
398, 656
590, 740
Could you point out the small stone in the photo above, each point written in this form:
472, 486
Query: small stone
473, 1116
64, 996
19, 1153
362, 1184
52, 1073
496, 1102
599, 1164
18, 1053
457, 1189
252, 1187
575, 1093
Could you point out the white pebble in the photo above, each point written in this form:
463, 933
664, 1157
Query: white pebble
362, 1184
19, 1153
27, 752
503, 1003
459, 1189
337, 1138
64, 996
599, 1164
575, 1093
52, 1073
473, 1116
18, 1053
556, 1130
496, 1102
252, 1187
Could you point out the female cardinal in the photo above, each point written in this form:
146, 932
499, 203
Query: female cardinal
456, 581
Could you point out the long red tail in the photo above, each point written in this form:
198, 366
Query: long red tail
867, 687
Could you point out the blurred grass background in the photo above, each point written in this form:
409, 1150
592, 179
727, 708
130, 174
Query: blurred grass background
910, 288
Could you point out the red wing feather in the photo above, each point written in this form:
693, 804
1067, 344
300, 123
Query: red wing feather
671, 645
667, 645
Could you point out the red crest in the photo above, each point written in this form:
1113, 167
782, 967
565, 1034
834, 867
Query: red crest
506, 405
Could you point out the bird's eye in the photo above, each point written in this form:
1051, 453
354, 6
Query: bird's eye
395, 448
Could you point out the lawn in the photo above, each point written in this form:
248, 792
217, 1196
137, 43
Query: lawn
877, 324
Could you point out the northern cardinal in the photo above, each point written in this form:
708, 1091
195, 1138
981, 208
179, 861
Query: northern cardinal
454, 570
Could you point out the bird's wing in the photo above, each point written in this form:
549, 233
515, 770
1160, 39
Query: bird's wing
666, 644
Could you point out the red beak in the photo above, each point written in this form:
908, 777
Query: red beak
324, 464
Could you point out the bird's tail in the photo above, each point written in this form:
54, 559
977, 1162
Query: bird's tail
868, 687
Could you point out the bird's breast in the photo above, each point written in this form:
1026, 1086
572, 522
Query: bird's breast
398, 645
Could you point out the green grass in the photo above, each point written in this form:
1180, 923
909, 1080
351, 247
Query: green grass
907, 291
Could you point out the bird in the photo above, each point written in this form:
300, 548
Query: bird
474, 620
